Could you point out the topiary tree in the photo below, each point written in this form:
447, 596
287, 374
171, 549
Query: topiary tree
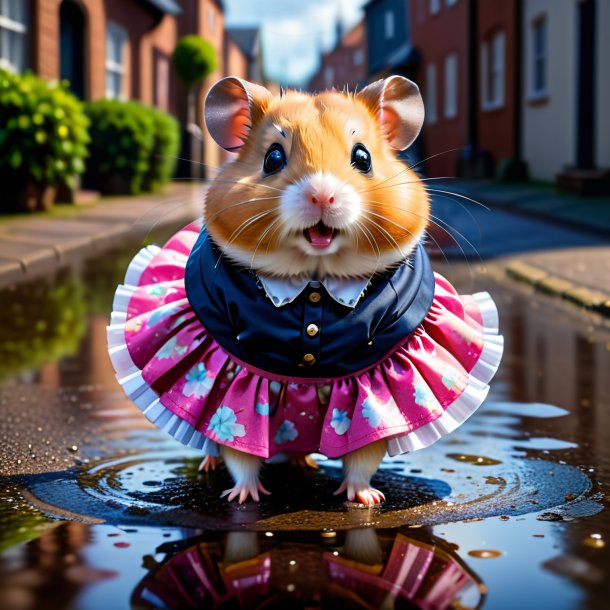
194, 60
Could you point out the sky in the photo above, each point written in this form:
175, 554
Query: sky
294, 32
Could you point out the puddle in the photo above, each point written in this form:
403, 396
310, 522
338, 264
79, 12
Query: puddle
96, 504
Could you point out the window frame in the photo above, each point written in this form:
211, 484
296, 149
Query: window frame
10, 61
431, 103
492, 69
450, 80
534, 93
389, 24
111, 66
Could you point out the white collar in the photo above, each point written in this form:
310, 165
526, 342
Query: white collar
347, 292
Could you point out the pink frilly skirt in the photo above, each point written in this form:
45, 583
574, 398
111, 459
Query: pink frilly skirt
187, 385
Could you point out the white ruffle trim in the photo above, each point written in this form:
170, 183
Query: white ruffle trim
473, 395
130, 376
134, 386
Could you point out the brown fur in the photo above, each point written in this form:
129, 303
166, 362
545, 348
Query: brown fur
321, 130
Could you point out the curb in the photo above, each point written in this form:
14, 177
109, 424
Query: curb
543, 281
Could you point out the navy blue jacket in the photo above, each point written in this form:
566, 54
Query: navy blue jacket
233, 306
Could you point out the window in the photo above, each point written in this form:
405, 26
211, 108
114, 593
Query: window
116, 43
451, 86
13, 30
435, 6
211, 20
329, 76
451, 2
431, 114
358, 57
492, 72
389, 24
538, 64
161, 96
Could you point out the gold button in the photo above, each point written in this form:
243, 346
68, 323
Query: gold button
309, 358
314, 297
312, 330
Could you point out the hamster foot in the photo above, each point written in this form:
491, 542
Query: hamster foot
208, 463
359, 492
244, 490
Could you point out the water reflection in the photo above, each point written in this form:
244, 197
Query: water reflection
517, 488
360, 568
42, 322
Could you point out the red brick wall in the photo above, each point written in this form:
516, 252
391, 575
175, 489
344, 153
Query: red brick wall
45, 14
437, 36
496, 126
342, 61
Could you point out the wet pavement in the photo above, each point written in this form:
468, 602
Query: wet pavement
98, 509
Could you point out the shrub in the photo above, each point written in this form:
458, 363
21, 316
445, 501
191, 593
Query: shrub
43, 134
122, 140
133, 147
194, 59
166, 146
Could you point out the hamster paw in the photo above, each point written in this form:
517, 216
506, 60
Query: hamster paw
369, 496
209, 463
244, 490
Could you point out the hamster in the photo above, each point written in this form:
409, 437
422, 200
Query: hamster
318, 192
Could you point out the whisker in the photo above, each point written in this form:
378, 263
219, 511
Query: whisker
444, 152
261, 238
240, 229
368, 212
465, 208
458, 195
424, 218
238, 204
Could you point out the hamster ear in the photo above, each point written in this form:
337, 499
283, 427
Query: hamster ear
232, 107
398, 104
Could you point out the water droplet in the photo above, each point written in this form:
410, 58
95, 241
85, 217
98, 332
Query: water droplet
477, 460
595, 541
485, 554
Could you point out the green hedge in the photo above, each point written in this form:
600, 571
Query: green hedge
166, 147
43, 135
133, 147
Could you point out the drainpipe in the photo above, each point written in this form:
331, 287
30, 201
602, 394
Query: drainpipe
516, 170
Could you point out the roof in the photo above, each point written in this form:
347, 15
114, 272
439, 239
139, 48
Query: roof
166, 6
246, 39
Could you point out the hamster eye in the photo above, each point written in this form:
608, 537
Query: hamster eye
361, 159
275, 159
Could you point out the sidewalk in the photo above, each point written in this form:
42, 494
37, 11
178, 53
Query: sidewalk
579, 275
538, 200
34, 246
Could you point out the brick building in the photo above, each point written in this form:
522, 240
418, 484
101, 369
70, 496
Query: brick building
439, 32
345, 64
118, 49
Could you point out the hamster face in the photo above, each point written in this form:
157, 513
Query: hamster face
316, 189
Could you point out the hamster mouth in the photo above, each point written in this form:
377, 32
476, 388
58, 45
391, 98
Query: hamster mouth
320, 236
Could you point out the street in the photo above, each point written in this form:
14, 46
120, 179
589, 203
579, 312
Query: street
98, 504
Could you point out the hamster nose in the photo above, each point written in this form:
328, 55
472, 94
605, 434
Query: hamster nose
322, 198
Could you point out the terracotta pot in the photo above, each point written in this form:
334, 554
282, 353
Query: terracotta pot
27, 197
46, 197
